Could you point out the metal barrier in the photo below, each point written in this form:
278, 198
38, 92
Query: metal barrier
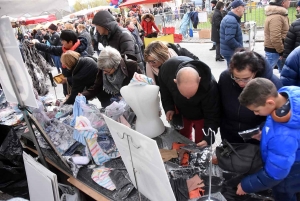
253, 12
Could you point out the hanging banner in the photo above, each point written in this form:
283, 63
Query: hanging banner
20, 74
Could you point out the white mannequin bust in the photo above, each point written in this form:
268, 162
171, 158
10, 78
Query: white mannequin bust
144, 101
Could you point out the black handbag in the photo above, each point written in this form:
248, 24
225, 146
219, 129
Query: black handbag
243, 158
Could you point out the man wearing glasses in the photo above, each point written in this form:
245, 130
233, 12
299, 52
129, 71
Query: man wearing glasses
244, 66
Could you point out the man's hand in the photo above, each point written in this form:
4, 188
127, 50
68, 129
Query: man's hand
203, 143
257, 136
169, 115
239, 190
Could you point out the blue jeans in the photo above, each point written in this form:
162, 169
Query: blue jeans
273, 59
56, 60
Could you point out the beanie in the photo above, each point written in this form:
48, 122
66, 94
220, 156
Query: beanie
52, 27
69, 59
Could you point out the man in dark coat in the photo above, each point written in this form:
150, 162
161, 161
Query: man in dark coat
215, 30
187, 87
292, 39
116, 37
230, 31
55, 41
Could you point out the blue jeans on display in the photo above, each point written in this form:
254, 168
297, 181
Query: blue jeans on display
56, 60
273, 59
227, 59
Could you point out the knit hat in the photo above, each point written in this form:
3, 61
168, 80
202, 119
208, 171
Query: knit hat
298, 4
213, 2
53, 27
69, 59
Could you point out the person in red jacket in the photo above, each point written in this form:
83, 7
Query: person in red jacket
148, 24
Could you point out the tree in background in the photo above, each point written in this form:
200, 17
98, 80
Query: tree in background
80, 5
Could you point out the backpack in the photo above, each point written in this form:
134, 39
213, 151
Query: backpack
181, 51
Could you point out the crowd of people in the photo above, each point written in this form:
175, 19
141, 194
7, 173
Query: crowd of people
244, 97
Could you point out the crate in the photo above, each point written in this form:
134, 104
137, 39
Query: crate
204, 33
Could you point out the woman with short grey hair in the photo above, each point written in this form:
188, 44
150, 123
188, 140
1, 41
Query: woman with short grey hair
115, 71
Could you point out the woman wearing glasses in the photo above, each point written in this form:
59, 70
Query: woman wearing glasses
243, 67
114, 72
156, 54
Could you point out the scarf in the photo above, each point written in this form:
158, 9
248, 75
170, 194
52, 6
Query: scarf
74, 47
113, 83
150, 72
130, 29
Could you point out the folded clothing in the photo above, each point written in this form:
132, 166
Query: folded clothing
101, 177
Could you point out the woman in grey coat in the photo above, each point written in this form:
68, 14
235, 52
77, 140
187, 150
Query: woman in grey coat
83, 33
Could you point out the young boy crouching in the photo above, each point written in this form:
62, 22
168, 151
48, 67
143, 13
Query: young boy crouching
280, 139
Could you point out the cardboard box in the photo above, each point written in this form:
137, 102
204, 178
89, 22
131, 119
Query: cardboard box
204, 34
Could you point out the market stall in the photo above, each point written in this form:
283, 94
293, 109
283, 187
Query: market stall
110, 153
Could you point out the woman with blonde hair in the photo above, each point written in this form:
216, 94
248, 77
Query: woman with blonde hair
83, 70
156, 54
148, 24
69, 26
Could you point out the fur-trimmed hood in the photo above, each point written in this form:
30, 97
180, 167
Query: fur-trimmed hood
275, 10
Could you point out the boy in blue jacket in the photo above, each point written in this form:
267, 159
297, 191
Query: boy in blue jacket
280, 139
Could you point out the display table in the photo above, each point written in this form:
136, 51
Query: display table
84, 181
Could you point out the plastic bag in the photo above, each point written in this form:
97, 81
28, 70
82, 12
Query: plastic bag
70, 193
12, 172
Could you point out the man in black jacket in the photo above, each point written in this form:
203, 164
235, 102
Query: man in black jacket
187, 87
113, 35
55, 41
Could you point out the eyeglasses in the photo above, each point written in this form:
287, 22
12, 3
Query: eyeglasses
244, 80
152, 61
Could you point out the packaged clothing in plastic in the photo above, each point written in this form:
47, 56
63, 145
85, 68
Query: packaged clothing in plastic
77, 108
107, 144
83, 130
37, 68
97, 153
60, 134
101, 177
116, 109
70, 193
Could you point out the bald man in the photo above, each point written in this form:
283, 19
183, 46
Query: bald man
188, 88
